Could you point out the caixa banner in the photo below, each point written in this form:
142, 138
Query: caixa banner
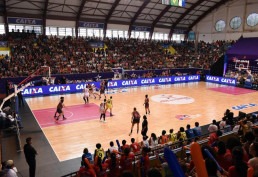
221, 80
75, 88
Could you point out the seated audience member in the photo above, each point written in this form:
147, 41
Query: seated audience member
135, 147
224, 157
11, 171
124, 145
189, 133
145, 142
112, 148
86, 155
235, 142
163, 138
99, 151
172, 137
213, 127
181, 134
253, 162
239, 167
126, 160
100, 169
86, 170
153, 141
113, 165
248, 140
145, 161
197, 129
222, 124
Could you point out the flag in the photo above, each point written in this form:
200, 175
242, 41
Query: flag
174, 2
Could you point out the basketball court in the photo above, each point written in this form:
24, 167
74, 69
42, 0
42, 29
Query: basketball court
171, 106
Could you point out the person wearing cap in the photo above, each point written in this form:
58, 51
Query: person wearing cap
30, 155
11, 170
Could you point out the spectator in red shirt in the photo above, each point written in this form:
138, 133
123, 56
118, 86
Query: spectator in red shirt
113, 165
126, 160
239, 168
224, 156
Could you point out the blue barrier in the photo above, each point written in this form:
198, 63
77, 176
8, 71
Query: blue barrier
221, 80
75, 88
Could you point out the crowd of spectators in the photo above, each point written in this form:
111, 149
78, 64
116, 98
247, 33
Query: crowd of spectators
69, 55
235, 155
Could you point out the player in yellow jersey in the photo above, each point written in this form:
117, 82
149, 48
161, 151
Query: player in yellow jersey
109, 105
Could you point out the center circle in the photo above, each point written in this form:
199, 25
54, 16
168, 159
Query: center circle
172, 99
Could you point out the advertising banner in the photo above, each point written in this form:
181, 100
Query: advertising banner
75, 88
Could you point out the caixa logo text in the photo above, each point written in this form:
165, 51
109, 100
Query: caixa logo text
80, 86
165, 80
112, 84
61, 88
193, 78
147, 81
228, 81
243, 106
129, 82
32, 91
180, 78
212, 78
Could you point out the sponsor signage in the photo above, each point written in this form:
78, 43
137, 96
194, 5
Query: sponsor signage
141, 28
3, 44
73, 88
244, 106
221, 80
91, 25
27, 21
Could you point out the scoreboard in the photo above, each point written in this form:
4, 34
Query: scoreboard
180, 3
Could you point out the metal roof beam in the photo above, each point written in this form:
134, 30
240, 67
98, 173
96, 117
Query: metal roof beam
136, 16
109, 15
78, 17
182, 17
206, 13
45, 16
157, 20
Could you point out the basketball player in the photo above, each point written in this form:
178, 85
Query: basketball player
102, 110
60, 111
135, 120
61, 98
109, 105
102, 89
86, 94
146, 104
94, 91
91, 90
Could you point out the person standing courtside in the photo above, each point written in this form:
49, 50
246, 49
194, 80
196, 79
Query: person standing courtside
30, 155
135, 120
147, 105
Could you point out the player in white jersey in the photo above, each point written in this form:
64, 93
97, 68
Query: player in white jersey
94, 91
86, 95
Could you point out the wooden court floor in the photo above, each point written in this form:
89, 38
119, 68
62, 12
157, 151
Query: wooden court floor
171, 106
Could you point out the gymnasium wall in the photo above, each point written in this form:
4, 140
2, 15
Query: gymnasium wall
205, 29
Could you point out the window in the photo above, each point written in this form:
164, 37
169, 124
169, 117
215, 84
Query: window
252, 19
89, 32
235, 22
115, 33
220, 25
69, 31
61, 31
82, 32
165, 36
109, 34
2, 30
